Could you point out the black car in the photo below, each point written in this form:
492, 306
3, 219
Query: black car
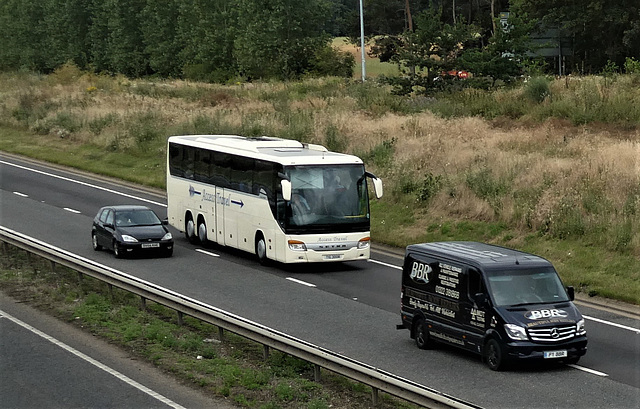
128, 229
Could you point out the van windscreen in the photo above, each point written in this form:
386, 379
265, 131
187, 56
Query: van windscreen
525, 286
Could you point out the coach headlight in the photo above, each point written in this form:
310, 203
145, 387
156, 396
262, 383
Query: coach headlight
297, 245
364, 243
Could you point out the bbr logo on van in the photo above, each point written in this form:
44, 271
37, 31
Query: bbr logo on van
420, 272
539, 314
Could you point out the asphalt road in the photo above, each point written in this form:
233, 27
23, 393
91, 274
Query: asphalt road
46, 363
350, 308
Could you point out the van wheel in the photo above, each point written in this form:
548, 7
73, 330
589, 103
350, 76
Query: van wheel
261, 250
422, 336
493, 355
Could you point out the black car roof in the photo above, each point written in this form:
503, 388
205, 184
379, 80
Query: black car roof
483, 255
127, 207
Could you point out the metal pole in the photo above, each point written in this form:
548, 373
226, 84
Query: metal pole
364, 72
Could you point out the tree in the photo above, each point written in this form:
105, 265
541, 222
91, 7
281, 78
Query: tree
603, 30
278, 38
159, 31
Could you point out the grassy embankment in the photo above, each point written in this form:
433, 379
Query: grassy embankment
547, 167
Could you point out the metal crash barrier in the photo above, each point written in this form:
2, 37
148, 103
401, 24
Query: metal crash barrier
377, 379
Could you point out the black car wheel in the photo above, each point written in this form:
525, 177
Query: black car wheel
117, 250
94, 242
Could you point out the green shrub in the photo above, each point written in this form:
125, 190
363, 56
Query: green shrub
632, 66
537, 89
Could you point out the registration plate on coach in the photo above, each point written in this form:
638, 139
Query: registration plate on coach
332, 256
555, 354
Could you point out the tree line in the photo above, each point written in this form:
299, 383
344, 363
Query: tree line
220, 40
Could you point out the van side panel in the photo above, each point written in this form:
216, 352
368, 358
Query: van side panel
432, 291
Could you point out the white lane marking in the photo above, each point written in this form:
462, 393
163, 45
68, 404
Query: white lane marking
208, 253
20, 194
636, 330
72, 210
300, 282
591, 371
84, 184
92, 361
385, 264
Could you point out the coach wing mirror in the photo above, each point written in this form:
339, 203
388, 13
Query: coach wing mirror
286, 189
377, 184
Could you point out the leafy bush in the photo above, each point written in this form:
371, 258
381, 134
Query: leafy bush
329, 61
632, 66
537, 89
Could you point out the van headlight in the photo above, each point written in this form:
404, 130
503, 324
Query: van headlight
580, 330
516, 332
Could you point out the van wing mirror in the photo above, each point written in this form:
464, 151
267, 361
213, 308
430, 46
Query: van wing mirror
571, 293
480, 299
377, 184
286, 189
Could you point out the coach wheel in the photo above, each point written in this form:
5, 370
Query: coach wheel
261, 249
202, 231
190, 230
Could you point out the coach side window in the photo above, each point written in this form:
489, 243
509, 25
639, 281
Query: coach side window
175, 160
220, 169
242, 173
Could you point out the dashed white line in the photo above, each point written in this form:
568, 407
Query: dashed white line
20, 194
613, 324
208, 253
72, 210
84, 183
92, 361
300, 282
591, 371
384, 264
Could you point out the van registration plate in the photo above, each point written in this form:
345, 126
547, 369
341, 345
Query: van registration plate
150, 245
555, 354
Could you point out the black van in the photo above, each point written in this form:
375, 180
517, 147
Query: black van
503, 304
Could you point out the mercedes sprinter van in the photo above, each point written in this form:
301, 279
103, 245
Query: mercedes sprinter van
503, 304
